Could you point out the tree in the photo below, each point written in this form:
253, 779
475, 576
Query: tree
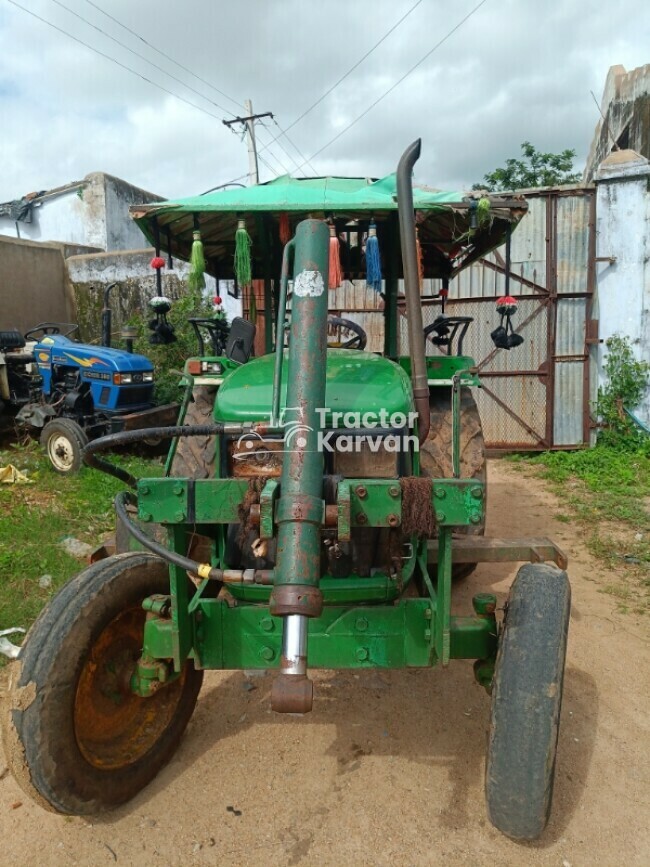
536, 169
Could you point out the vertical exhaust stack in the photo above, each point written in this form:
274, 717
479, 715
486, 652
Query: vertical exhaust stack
412, 285
296, 595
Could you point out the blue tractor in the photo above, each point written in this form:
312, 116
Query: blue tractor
72, 392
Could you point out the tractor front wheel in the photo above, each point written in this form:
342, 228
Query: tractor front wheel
77, 739
526, 702
64, 441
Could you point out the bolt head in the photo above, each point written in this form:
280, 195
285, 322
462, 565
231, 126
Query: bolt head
267, 653
477, 493
361, 624
179, 517
393, 520
267, 624
393, 491
361, 492
178, 490
145, 516
440, 493
144, 490
362, 654
361, 518
441, 517
475, 519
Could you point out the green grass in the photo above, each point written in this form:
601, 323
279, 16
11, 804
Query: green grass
606, 490
35, 518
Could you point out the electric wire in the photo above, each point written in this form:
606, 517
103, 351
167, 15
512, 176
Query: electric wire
399, 80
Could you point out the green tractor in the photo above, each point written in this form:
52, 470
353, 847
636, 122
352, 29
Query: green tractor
318, 506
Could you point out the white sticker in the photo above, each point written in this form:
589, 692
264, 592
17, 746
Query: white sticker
308, 284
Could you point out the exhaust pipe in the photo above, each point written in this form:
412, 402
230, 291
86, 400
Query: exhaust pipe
412, 285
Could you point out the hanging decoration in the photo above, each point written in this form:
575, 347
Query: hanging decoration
162, 330
196, 278
157, 262
243, 243
373, 259
335, 273
285, 228
444, 293
504, 336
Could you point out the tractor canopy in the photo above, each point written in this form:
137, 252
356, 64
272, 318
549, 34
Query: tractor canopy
355, 382
454, 228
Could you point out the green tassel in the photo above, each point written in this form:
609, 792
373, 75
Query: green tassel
483, 212
243, 245
196, 278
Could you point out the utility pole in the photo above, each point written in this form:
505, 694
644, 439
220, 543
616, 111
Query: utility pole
248, 121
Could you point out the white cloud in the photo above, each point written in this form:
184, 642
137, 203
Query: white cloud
517, 70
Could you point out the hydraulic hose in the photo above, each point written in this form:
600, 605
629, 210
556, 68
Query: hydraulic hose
203, 570
125, 438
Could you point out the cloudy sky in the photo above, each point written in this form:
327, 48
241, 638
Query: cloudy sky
515, 70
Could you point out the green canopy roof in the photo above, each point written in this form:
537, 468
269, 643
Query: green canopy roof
443, 219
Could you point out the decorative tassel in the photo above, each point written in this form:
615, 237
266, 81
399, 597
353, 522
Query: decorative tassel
373, 259
243, 243
196, 278
157, 262
335, 274
420, 259
285, 228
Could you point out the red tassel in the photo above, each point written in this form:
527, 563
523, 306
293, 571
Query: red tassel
335, 273
285, 228
157, 262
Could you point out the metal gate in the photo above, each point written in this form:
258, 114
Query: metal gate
539, 395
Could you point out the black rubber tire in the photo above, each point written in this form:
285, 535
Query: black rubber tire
526, 702
435, 452
64, 429
38, 714
194, 457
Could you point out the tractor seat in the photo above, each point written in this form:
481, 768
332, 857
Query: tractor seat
11, 340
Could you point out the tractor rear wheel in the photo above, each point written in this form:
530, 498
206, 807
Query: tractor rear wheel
64, 440
194, 457
435, 452
526, 702
77, 739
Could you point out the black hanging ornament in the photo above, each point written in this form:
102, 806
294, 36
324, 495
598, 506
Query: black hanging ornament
504, 336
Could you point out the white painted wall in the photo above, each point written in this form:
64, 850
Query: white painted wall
92, 213
622, 231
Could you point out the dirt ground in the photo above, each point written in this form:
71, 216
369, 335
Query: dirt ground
388, 769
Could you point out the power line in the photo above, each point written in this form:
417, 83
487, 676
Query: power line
140, 56
113, 60
296, 148
165, 72
353, 67
162, 54
399, 80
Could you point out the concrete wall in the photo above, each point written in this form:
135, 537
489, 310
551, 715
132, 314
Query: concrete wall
623, 286
33, 285
626, 107
90, 274
93, 212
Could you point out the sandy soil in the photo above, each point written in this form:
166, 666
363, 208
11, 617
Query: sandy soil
388, 769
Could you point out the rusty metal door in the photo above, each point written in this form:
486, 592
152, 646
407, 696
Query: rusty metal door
539, 395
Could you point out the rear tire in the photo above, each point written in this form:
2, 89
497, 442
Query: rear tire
76, 738
195, 456
64, 441
526, 702
435, 452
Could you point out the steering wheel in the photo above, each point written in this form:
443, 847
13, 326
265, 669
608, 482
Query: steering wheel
341, 334
345, 334
443, 331
46, 329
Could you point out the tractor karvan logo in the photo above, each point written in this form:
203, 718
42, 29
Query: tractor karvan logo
393, 438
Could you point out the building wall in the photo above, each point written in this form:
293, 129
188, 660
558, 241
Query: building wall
626, 107
33, 285
623, 285
93, 212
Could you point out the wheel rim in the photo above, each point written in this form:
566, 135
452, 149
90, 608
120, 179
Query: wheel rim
114, 727
61, 452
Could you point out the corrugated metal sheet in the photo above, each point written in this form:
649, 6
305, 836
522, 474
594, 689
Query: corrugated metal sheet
534, 376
